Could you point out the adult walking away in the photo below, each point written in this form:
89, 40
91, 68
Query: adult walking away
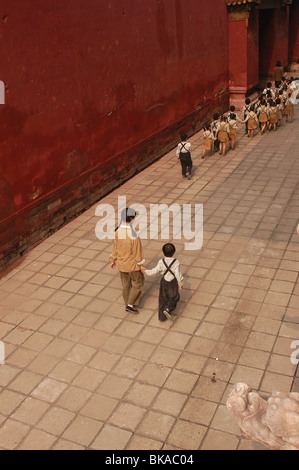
127, 255
183, 153
278, 74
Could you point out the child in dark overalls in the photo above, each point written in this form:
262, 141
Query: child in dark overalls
184, 155
171, 282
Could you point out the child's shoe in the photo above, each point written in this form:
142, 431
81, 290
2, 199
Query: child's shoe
167, 314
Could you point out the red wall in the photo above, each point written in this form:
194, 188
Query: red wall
96, 90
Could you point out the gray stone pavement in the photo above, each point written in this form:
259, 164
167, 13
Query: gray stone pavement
81, 373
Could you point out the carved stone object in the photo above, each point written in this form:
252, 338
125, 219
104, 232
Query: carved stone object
273, 423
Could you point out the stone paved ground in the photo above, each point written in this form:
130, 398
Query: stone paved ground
81, 373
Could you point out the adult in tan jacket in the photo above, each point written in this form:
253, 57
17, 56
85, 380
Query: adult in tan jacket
127, 255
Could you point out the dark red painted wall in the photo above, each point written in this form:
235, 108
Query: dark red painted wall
281, 39
294, 32
96, 90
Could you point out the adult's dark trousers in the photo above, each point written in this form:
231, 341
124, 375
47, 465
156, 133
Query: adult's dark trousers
186, 162
168, 297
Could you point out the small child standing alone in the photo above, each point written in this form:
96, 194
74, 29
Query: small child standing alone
171, 282
184, 155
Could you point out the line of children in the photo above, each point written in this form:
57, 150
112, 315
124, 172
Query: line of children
222, 132
267, 113
276, 103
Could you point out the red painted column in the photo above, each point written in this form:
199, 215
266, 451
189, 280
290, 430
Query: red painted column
281, 37
274, 39
243, 54
294, 34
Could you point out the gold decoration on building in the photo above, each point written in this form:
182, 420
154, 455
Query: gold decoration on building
241, 2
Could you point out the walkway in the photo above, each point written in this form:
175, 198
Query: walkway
81, 373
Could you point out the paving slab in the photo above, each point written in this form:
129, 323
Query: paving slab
81, 373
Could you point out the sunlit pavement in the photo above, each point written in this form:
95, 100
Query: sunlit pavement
81, 373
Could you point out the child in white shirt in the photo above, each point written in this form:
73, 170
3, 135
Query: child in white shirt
183, 153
